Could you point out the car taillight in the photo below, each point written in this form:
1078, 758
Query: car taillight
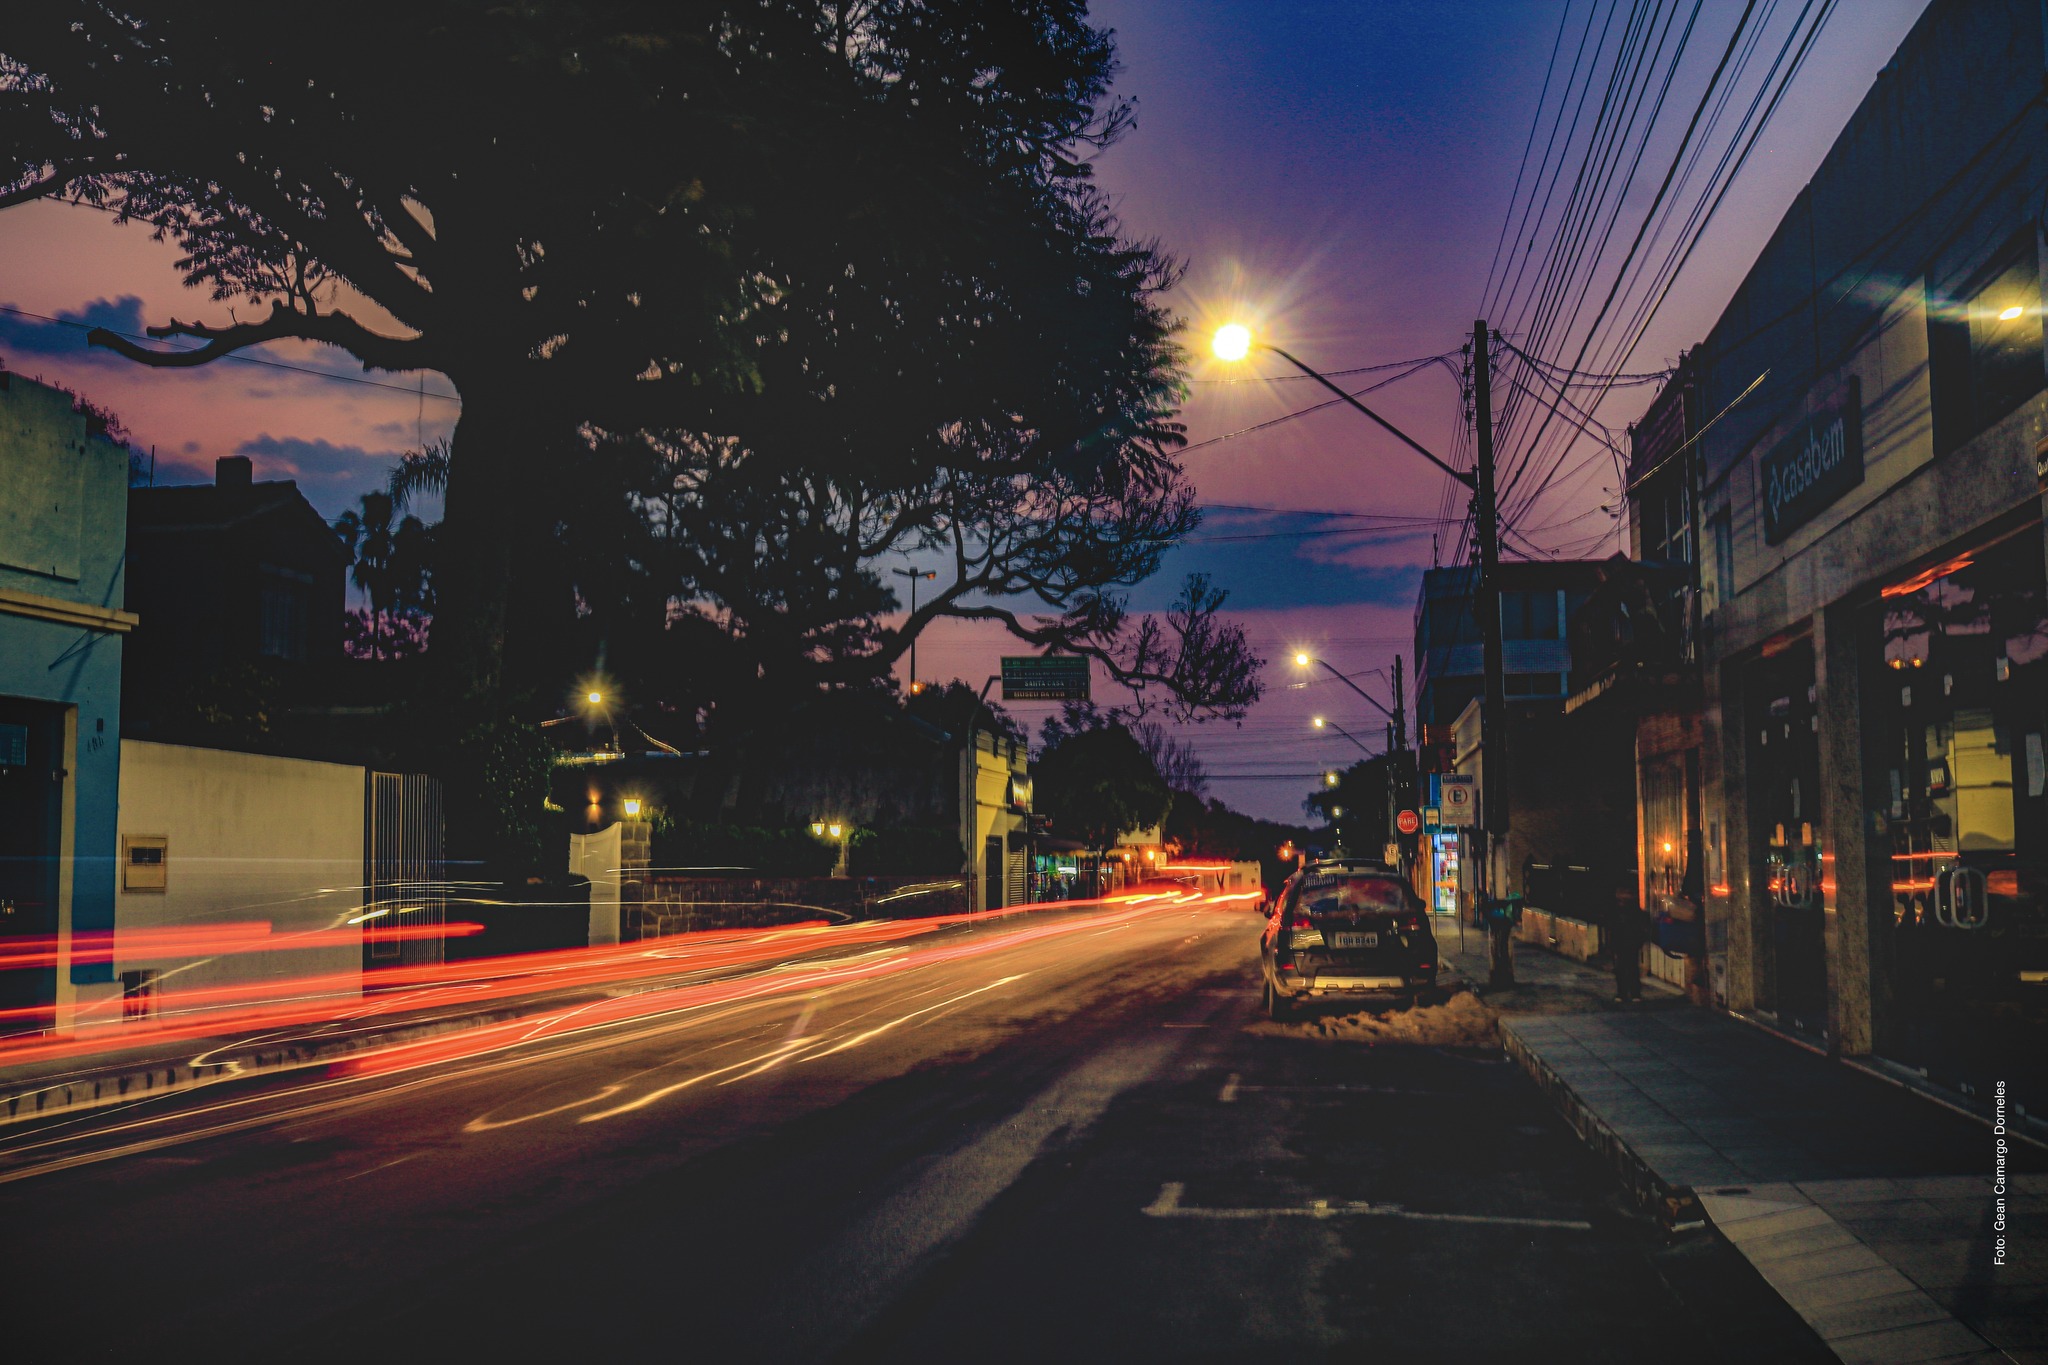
1301, 922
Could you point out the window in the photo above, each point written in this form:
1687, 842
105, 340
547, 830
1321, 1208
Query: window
1339, 894
1535, 684
1529, 615
1664, 511
1984, 346
281, 628
1722, 587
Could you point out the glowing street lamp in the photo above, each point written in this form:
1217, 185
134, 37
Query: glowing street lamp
1331, 779
1307, 660
1322, 724
594, 698
631, 805
1232, 342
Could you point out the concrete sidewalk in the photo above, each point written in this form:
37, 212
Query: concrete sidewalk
1869, 1208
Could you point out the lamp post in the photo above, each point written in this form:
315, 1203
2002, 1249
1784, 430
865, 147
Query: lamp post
1324, 723
915, 576
1233, 342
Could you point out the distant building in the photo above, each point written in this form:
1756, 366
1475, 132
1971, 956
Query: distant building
1636, 659
231, 579
63, 512
1570, 790
1537, 599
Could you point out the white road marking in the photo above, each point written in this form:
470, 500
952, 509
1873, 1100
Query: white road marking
1228, 1094
385, 1167
1168, 1205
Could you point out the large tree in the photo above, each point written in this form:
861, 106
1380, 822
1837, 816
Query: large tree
695, 218
1098, 785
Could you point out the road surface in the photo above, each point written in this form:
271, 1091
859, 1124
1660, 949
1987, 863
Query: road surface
1061, 1136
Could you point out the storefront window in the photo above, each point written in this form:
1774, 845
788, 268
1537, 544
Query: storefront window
1784, 805
1959, 709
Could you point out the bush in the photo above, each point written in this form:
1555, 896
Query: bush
905, 851
744, 848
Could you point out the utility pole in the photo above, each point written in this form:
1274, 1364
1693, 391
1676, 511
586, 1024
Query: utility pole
1493, 720
1400, 709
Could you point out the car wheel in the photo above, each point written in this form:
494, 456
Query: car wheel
1278, 1008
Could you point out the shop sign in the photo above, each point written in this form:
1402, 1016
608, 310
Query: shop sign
1821, 460
1045, 677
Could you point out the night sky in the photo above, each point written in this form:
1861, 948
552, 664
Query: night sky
1335, 172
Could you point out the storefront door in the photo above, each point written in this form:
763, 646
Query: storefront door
1784, 765
1958, 713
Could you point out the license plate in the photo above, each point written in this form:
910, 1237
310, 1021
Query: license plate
1354, 940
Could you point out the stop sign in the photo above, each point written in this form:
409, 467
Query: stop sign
1408, 822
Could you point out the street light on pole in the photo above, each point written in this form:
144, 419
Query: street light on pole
915, 576
1322, 723
1233, 342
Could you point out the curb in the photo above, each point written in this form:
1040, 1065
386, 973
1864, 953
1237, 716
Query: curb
84, 1093
1675, 1206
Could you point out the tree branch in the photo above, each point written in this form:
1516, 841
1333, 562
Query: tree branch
376, 351
55, 182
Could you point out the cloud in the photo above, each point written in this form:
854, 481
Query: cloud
331, 476
33, 338
1269, 560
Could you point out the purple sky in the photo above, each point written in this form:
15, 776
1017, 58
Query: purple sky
1335, 171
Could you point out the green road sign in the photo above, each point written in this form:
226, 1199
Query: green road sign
1045, 677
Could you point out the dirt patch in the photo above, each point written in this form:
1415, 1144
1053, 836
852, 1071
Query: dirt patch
1462, 1021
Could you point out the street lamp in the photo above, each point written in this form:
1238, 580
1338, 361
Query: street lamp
1234, 341
1331, 778
632, 807
1308, 660
594, 698
915, 576
1322, 724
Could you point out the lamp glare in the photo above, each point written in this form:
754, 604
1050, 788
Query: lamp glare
2009, 314
1301, 661
1233, 341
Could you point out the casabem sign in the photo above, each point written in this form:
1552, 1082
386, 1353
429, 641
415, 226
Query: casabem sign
1821, 460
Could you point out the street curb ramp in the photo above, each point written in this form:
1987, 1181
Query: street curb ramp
1675, 1206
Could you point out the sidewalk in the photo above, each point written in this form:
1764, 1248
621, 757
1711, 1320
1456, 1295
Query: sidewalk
1867, 1207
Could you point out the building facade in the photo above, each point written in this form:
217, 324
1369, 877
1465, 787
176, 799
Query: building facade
231, 580
1873, 633
1569, 785
63, 514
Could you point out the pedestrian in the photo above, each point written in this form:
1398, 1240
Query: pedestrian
1625, 941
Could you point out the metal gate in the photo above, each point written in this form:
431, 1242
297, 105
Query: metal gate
405, 895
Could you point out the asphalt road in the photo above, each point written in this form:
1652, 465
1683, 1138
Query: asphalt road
1060, 1137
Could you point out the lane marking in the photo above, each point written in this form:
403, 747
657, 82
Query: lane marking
385, 1167
1228, 1094
1347, 1088
1168, 1205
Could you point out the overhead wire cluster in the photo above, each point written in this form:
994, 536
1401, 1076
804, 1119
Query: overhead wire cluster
1649, 111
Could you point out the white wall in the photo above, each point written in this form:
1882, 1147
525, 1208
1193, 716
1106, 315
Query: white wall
251, 839
597, 856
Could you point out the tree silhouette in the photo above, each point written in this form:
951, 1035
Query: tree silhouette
713, 219
1099, 784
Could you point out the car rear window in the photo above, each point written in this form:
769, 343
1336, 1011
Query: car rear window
1347, 893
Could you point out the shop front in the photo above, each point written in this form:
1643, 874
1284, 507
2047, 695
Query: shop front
1956, 711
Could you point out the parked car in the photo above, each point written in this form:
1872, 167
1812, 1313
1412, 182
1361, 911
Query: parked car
1346, 929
